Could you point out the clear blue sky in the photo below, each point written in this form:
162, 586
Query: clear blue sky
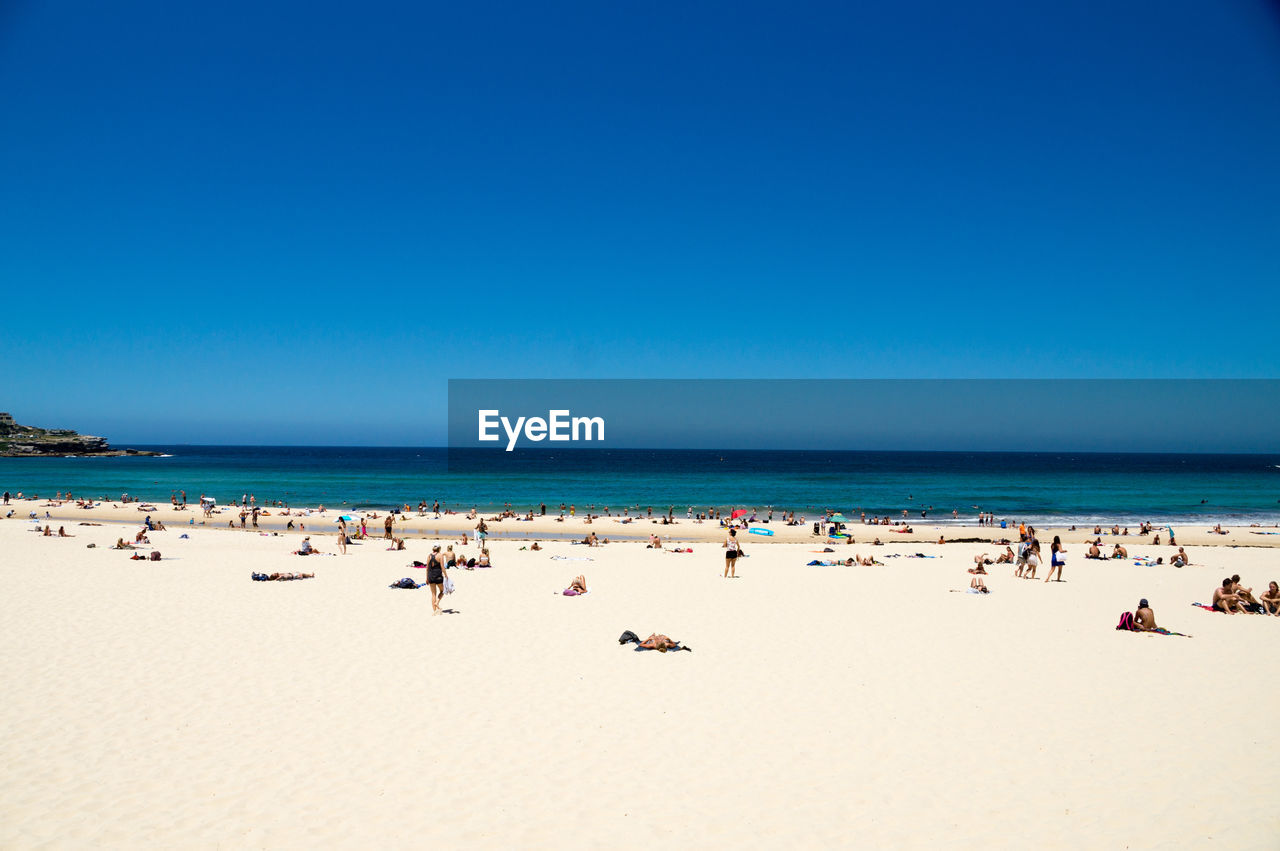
291, 222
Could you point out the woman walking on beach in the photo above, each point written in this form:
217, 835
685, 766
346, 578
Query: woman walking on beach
731, 555
435, 578
1056, 561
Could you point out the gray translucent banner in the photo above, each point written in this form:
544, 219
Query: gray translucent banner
852, 414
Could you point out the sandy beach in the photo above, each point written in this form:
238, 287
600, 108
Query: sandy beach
181, 704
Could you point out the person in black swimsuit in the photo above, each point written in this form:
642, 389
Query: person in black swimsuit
435, 578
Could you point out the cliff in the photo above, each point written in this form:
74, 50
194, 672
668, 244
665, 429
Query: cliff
19, 441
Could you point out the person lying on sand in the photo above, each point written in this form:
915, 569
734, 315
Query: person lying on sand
979, 584
577, 586
1271, 600
656, 641
281, 577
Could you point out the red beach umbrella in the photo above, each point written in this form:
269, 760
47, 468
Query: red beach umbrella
737, 513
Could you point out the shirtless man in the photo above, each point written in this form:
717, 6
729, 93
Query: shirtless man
1119, 552
1094, 552
1224, 600
1144, 620
1180, 558
1245, 595
660, 643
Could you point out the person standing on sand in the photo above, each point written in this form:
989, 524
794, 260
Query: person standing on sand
342, 536
386, 526
731, 555
436, 573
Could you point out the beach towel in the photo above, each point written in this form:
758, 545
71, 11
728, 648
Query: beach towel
1206, 608
572, 558
570, 592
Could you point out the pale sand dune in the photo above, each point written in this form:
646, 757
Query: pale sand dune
179, 704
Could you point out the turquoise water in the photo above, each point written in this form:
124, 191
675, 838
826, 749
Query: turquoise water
1062, 487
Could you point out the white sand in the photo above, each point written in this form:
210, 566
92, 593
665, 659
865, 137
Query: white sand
180, 704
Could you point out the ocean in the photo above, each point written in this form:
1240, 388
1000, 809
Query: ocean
1051, 487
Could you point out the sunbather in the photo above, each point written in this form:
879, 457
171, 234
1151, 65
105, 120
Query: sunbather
661, 643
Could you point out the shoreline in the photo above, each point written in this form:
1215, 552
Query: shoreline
311, 521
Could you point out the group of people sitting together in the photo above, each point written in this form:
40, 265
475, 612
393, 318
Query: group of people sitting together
1233, 598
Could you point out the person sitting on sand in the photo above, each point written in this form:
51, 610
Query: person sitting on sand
1225, 601
1180, 558
396, 544
1007, 557
1271, 600
62, 532
1144, 619
1119, 552
305, 548
1245, 595
535, 546
121, 545
1093, 552
1217, 530
483, 560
